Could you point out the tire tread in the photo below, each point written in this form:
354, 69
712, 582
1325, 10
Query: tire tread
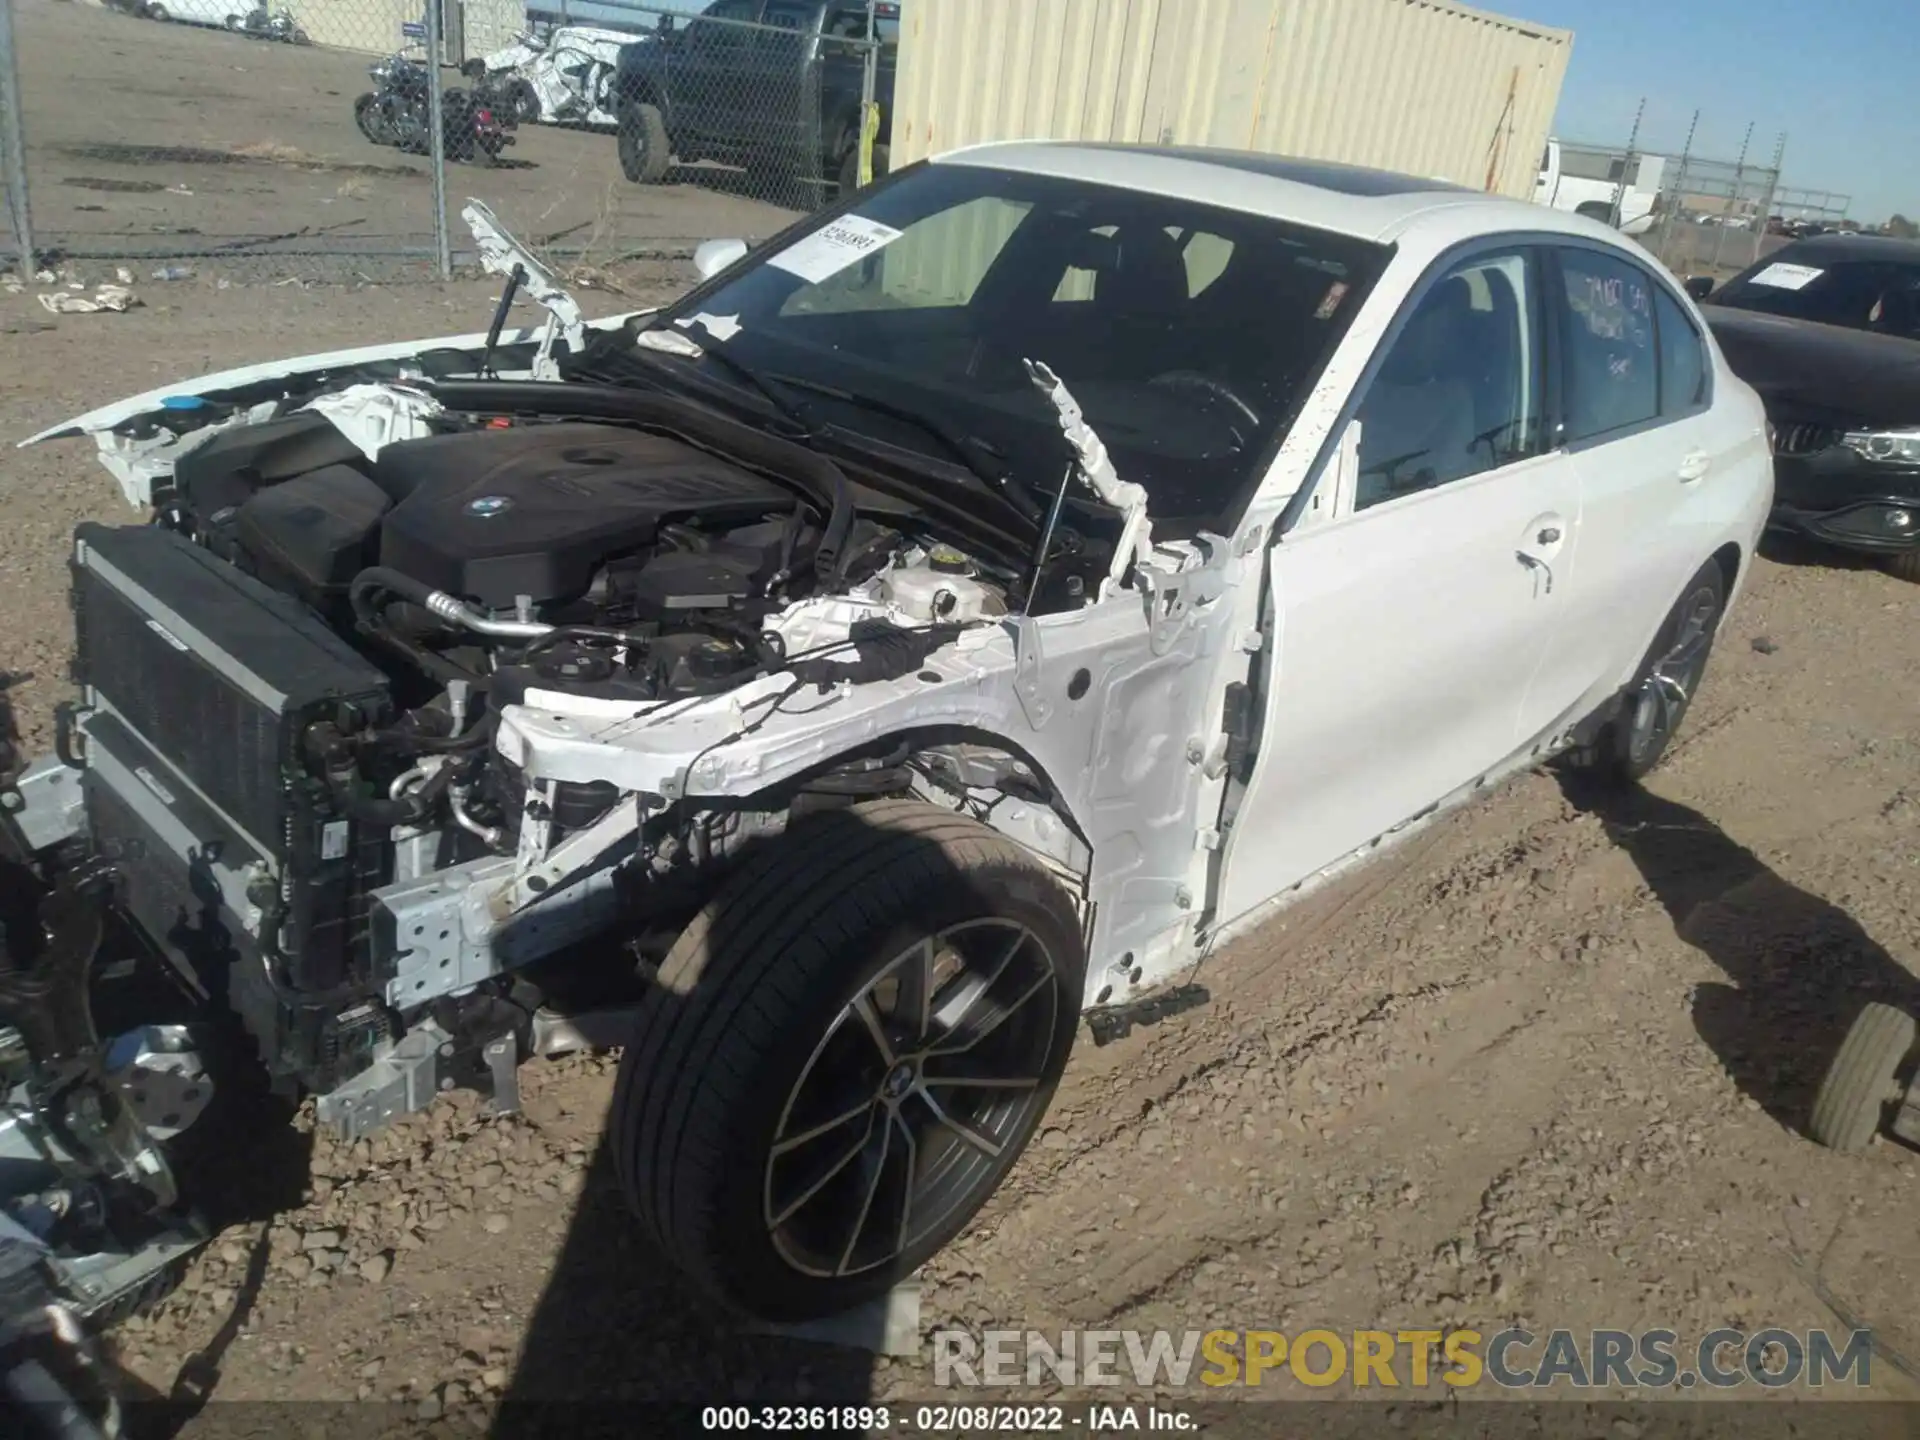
720, 1002
1847, 1111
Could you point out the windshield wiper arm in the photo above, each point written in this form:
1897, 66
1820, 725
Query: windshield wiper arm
795, 414
998, 478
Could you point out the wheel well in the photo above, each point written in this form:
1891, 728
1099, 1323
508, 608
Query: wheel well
906, 744
636, 92
1728, 558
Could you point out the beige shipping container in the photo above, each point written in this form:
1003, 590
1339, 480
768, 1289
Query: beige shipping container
1424, 87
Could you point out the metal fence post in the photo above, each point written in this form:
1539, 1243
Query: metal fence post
1676, 192
1765, 218
869, 79
437, 142
1733, 199
1628, 175
14, 156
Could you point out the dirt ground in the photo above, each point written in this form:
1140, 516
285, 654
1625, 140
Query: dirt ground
1547, 1063
187, 140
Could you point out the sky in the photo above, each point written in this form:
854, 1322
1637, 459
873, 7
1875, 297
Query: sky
1840, 77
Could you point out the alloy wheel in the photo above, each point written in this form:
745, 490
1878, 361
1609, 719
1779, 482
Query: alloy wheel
1661, 701
920, 1084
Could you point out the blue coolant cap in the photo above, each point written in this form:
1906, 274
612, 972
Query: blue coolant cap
182, 402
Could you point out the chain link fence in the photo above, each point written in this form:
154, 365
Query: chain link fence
339, 139
1699, 215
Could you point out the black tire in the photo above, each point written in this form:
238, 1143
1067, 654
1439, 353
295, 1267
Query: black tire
156, 12
1652, 707
233, 22
522, 104
850, 167
366, 114
645, 152
1905, 567
1861, 1080
456, 125
754, 1001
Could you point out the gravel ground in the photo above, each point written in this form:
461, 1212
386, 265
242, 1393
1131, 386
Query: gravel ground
1547, 1062
182, 140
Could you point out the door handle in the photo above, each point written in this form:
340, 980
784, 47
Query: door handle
1538, 566
1695, 466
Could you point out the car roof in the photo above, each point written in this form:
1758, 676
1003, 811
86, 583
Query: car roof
1377, 205
1833, 249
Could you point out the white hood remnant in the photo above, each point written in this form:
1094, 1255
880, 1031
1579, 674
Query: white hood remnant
375, 416
499, 254
140, 456
1096, 469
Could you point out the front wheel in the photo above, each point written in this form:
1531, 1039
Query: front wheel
366, 114
645, 152
844, 1054
1635, 740
1905, 567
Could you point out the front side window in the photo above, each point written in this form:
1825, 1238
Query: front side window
1459, 391
1189, 334
1609, 358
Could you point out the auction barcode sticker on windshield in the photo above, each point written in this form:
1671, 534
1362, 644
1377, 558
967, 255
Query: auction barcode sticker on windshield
832, 248
1789, 277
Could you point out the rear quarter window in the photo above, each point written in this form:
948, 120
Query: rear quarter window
1683, 359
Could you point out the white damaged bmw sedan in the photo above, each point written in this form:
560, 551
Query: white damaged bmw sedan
947, 620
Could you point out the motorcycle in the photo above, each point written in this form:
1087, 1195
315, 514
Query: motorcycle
262, 24
396, 113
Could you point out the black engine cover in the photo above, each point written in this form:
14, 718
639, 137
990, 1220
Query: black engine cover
491, 515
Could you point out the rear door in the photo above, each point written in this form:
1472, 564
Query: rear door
785, 116
1408, 628
844, 48
1637, 419
708, 77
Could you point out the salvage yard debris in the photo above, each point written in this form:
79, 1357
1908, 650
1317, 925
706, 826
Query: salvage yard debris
107, 297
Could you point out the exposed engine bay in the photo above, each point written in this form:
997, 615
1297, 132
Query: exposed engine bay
445, 684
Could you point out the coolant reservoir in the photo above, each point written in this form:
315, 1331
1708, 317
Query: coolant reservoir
940, 588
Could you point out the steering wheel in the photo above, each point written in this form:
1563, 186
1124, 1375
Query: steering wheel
1193, 380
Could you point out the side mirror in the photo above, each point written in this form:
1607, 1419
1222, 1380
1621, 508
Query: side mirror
1699, 286
714, 256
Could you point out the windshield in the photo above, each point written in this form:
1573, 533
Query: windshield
1878, 295
1189, 334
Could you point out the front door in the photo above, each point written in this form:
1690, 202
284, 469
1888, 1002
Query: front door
1408, 627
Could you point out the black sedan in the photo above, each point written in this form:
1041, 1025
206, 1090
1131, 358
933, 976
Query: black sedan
1828, 331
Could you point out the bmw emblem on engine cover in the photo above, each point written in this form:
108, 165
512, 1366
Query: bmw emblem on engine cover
488, 505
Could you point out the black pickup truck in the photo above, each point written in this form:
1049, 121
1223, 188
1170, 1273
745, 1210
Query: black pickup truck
766, 84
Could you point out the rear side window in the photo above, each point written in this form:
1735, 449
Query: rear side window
1608, 354
1683, 359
